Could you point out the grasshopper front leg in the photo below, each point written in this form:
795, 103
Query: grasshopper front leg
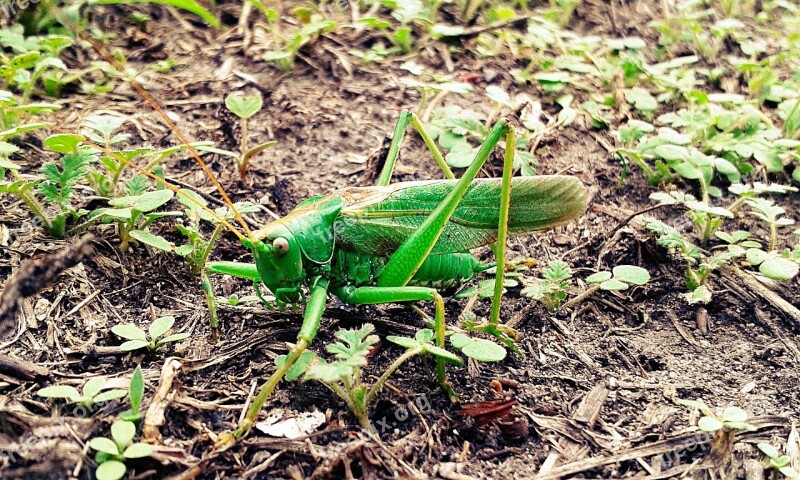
311, 320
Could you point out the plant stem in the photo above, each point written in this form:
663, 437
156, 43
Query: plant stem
773, 236
583, 296
209, 247
37, 209
394, 366
243, 151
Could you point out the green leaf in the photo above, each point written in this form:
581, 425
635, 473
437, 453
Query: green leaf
779, 269
138, 450
105, 445
160, 326
614, 285
631, 274
696, 404
459, 340
446, 355
110, 470
330, 372
484, 350
424, 335
734, 414
756, 256
63, 142
136, 389
461, 155
132, 345
60, 391
110, 395
123, 432
243, 106
300, 366
145, 202
769, 450
155, 241
129, 331
701, 294
257, 149
641, 99
671, 152
8, 148
404, 342
358, 343
93, 386
598, 277
709, 424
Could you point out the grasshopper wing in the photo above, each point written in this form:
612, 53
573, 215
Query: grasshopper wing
377, 220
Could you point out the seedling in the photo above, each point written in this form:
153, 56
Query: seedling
343, 376
551, 289
199, 248
135, 395
777, 461
134, 213
772, 215
706, 218
244, 107
113, 452
91, 394
619, 278
724, 427
286, 46
137, 338
698, 267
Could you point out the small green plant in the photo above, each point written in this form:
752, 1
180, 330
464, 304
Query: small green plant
198, 247
551, 289
137, 338
56, 189
777, 461
91, 394
771, 214
344, 375
28, 62
135, 395
619, 278
112, 453
286, 46
135, 212
707, 219
724, 426
244, 107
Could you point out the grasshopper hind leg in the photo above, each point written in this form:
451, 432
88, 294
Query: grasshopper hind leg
407, 117
494, 327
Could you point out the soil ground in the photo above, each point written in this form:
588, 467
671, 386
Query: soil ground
597, 383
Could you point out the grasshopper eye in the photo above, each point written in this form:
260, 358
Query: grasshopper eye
281, 245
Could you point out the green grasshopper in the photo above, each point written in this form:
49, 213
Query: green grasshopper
398, 243
405, 242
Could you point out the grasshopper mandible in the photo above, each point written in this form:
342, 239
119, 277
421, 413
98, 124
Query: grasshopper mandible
403, 242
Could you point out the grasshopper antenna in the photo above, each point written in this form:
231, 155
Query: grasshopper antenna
103, 52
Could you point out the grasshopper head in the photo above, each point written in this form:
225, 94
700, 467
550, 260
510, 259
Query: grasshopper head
279, 260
